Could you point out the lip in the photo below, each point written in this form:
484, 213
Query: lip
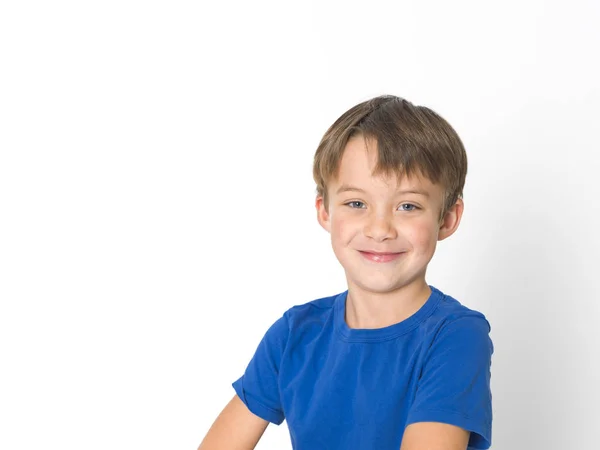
380, 257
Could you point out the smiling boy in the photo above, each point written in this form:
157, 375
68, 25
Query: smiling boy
392, 362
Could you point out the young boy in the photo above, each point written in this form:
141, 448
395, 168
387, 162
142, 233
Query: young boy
391, 363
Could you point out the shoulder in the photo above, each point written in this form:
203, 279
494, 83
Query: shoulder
313, 311
450, 310
454, 322
313, 314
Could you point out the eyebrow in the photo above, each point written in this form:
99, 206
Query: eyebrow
347, 187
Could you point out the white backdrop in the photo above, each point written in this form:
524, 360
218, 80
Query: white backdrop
156, 201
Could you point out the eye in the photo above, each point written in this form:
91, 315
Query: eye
412, 207
355, 205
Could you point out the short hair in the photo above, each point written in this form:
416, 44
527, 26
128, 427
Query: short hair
411, 140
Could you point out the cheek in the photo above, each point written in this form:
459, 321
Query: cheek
424, 236
342, 228
337, 226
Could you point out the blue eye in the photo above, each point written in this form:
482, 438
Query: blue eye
408, 204
355, 205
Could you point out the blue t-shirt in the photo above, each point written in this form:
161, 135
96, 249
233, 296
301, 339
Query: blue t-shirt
344, 388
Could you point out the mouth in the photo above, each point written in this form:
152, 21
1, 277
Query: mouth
380, 257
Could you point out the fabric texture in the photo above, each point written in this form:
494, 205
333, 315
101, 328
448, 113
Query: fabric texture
344, 388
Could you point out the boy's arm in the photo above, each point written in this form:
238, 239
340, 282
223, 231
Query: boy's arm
236, 428
434, 436
453, 403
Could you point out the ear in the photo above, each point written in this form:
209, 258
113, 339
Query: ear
451, 220
323, 214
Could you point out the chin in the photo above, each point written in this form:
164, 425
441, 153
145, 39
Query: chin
377, 286
381, 284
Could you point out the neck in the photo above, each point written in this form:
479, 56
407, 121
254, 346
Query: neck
368, 310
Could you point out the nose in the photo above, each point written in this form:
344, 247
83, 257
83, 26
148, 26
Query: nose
380, 227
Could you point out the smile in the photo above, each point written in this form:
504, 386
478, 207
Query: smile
380, 257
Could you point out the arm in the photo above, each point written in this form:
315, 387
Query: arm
243, 421
453, 401
236, 428
434, 436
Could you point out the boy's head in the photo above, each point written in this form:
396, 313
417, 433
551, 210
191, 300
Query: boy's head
369, 168
408, 140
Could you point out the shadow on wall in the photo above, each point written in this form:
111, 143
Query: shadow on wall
536, 267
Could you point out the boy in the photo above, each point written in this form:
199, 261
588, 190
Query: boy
391, 363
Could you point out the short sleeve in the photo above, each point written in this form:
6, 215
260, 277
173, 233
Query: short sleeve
258, 387
454, 386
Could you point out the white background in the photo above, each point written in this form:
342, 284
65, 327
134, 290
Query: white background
156, 201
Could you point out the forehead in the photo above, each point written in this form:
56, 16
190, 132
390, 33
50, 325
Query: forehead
358, 163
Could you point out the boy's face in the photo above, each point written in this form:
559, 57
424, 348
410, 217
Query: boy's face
383, 235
